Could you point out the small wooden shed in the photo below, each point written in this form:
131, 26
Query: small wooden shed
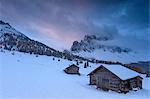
72, 69
116, 78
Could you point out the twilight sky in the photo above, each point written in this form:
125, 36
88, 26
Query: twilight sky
58, 23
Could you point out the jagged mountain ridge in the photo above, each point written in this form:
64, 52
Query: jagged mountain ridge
93, 42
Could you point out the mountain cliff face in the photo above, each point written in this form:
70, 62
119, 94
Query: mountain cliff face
92, 42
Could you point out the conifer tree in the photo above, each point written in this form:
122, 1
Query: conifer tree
85, 65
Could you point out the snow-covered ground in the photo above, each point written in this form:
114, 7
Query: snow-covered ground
121, 57
25, 76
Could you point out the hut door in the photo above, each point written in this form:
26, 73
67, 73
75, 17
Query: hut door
105, 83
99, 83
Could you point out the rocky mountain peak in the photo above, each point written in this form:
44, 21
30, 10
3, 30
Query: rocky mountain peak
93, 42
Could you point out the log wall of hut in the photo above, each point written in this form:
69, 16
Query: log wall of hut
105, 80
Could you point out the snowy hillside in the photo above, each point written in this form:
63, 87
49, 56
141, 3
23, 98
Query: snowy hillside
120, 48
7, 28
13, 40
25, 76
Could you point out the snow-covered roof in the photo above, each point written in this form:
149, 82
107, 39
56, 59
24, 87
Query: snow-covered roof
122, 72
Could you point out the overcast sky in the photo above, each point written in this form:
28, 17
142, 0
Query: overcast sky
63, 21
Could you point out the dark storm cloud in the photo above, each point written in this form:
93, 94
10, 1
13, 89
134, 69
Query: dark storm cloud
135, 14
72, 19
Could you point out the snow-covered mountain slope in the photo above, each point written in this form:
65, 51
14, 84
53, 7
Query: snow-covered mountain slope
121, 48
13, 40
25, 76
7, 28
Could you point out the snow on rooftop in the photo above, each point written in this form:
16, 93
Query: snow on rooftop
122, 72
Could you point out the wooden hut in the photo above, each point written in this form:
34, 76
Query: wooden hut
116, 78
72, 69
